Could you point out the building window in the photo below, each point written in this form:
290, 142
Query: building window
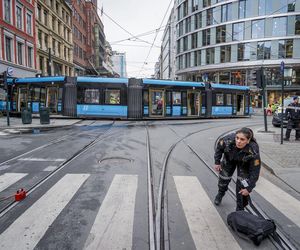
185, 43
188, 25
194, 40
206, 37
238, 32
263, 50
226, 12
210, 20
285, 49
194, 5
20, 53
206, 3
7, 10
242, 9
291, 5
29, 23
197, 58
258, 29
297, 25
225, 53
185, 8
19, 17
39, 13
244, 52
41, 64
261, 7
8, 49
30, 57
180, 30
46, 41
188, 60
210, 56
279, 26
198, 20
221, 34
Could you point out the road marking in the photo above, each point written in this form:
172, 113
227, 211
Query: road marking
113, 226
50, 168
8, 179
281, 200
206, 225
3, 133
39, 159
3, 167
26, 231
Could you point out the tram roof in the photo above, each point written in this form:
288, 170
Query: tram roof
173, 83
40, 79
101, 80
228, 86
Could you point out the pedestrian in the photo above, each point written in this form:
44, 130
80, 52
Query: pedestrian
237, 150
292, 113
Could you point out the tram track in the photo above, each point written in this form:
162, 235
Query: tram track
34, 187
160, 228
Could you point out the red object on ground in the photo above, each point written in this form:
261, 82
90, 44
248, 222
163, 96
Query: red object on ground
20, 194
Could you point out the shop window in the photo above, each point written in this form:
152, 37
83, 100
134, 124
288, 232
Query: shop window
92, 96
112, 96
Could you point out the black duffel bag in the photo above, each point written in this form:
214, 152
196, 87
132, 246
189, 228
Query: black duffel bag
250, 226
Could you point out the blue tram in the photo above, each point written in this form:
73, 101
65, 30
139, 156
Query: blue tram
128, 98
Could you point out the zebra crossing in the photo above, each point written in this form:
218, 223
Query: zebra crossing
113, 225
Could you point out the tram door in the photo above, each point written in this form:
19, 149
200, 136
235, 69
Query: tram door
23, 97
240, 107
157, 104
193, 103
52, 99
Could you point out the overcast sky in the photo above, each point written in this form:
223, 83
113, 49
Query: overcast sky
137, 17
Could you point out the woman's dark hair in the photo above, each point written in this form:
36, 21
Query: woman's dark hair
247, 132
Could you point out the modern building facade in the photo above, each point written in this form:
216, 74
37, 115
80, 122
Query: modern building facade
168, 50
17, 37
54, 38
227, 41
119, 63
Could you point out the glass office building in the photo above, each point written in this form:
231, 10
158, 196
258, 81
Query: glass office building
226, 41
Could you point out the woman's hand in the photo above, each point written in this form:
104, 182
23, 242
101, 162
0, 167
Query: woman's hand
218, 168
244, 192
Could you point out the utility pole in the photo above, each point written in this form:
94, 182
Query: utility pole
7, 96
260, 83
282, 101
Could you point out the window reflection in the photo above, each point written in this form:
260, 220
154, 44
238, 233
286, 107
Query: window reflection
258, 29
279, 26
238, 32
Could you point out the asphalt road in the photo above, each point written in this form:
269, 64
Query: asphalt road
88, 188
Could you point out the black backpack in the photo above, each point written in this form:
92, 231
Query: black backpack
251, 226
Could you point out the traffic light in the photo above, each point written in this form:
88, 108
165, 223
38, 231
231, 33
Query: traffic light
260, 78
3, 80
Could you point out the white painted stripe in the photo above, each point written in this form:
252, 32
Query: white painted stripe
29, 228
8, 179
113, 225
39, 159
1, 133
207, 228
50, 168
3, 167
281, 200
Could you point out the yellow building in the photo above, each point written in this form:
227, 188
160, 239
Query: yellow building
54, 38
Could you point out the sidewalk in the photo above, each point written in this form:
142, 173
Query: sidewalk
16, 123
283, 160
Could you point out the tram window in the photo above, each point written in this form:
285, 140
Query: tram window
60, 94
112, 96
168, 98
219, 99
43, 97
91, 96
176, 98
80, 95
36, 92
228, 99
146, 98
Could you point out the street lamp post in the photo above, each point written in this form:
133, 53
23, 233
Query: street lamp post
282, 101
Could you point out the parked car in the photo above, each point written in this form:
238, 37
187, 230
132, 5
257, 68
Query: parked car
276, 121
